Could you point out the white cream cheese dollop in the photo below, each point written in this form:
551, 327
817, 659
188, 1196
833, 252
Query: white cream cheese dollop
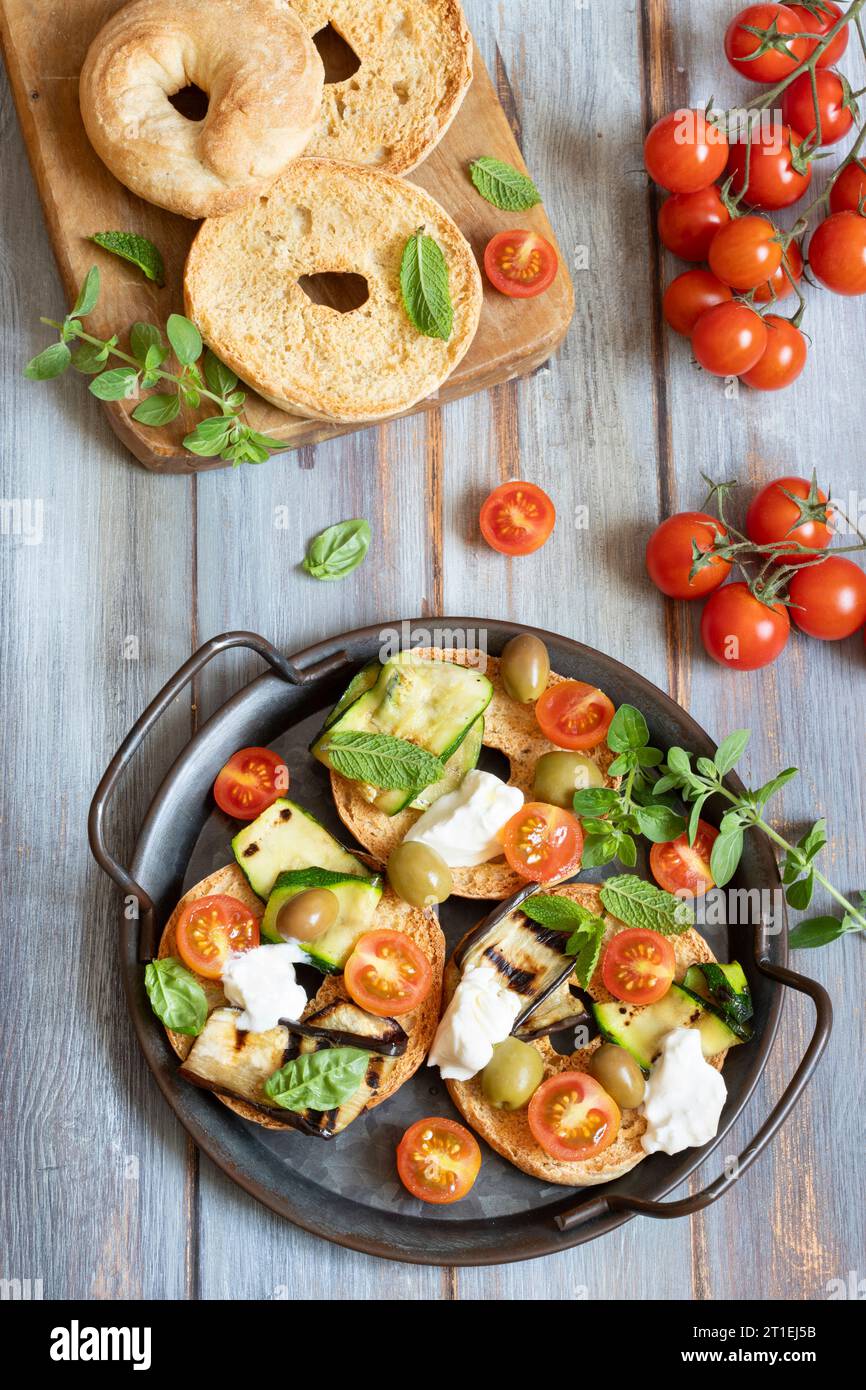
262, 983
463, 825
481, 1014
684, 1096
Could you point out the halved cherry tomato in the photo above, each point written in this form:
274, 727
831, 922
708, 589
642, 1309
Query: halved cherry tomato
520, 264
438, 1160
741, 45
689, 221
684, 152
782, 360
208, 929
798, 107
387, 974
773, 517
820, 24
746, 252
679, 867
849, 190
669, 555
829, 600
689, 296
574, 715
638, 965
779, 285
543, 842
837, 253
517, 518
573, 1118
729, 339
250, 782
779, 173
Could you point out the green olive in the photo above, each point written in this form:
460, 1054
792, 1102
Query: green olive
559, 775
418, 874
308, 915
525, 668
513, 1075
619, 1074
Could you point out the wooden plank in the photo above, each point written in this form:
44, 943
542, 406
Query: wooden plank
45, 46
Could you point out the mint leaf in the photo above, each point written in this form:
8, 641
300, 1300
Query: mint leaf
380, 760
157, 410
730, 750
176, 996
136, 249
424, 286
585, 945
641, 904
318, 1080
560, 914
337, 551
184, 338
87, 295
503, 185
48, 364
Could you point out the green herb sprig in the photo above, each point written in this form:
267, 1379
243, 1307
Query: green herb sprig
585, 928
201, 377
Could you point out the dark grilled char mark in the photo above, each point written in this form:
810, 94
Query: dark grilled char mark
520, 981
285, 814
251, 850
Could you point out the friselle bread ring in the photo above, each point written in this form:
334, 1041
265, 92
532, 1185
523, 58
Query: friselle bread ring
243, 289
256, 64
415, 69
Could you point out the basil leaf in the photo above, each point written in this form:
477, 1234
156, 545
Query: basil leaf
561, 914
157, 410
726, 855
318, 1080
628, 730
135, 249
503, 185
176, 996
424, 286
184, 338
48, 364
659, 824
143, 337
641, 904
87, 295
593, 801
730, 750
119, 384
392, 764
220, 378
585, 945
817, 931
337, 551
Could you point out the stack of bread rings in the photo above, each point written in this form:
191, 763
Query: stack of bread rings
294, 178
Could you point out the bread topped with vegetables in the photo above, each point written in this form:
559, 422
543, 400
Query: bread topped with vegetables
246, 288
414, 69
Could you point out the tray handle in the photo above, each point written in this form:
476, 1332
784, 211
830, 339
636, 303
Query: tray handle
601, 1206
142, 727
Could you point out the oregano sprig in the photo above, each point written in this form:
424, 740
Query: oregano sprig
200, 377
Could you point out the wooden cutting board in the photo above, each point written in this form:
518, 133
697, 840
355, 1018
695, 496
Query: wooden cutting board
44, 43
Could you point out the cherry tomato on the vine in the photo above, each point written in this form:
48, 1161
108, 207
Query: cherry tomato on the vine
798, 107
689, 221
837, 253
829, 599
689, 296
739, 631
849, 190
779, 286
778, 173
746, 252
741, 45
783, 358
820, 25
773, 518
685, 152
669, 555
729, 339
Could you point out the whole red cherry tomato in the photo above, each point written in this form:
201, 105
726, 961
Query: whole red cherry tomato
729, 339
779, 286
746, 252
849, 190
829, 599
779, 171
774, 517
837, 253
685, 152
669, 556
820, 25
798, 107
783, 358
739, 631
741, 45
689, 221
689, 296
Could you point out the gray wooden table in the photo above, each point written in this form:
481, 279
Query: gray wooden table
103, 1196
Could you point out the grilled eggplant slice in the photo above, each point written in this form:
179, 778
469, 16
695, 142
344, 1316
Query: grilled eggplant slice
531, 959
561, 1010
326, 1124
343, 1024
223, 1058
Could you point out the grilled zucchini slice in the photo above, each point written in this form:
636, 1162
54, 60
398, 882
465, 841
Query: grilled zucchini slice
641, 1029
358, 899
286, 837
